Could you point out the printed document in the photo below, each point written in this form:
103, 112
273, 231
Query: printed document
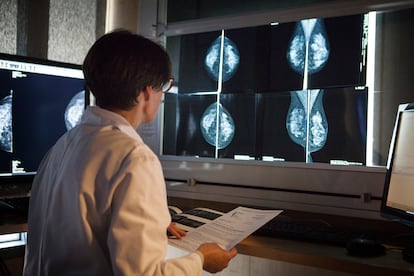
227, 230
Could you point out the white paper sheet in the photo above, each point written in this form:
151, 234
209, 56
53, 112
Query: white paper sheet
227, 230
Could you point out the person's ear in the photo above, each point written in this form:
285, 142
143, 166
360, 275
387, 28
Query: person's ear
146, 92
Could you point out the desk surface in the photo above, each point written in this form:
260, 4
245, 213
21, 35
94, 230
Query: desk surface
320, 255
309, 254
326, 257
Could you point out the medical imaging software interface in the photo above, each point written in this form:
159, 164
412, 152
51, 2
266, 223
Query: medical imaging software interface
38, 103
284, 92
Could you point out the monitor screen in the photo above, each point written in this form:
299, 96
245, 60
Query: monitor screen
293, 91
39, 101
397, 201
317, 53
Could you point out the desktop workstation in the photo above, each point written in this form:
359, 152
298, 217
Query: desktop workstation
340, 194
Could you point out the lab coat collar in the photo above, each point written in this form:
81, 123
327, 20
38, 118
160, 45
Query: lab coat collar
95, 115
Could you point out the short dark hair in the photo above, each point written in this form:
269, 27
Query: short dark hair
120, 65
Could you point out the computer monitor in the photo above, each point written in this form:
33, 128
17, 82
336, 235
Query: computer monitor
397, 201
244, 93
39, 101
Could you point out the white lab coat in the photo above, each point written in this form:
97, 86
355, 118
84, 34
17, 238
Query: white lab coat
98, 206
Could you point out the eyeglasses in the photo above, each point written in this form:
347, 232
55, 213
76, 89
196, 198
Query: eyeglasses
166, 86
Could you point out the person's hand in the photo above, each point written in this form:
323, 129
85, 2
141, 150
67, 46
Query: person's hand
175, 231
216, 258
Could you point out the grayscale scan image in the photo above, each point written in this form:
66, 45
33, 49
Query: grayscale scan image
74, 110
6, 124
217, 126
228, 64
307, 54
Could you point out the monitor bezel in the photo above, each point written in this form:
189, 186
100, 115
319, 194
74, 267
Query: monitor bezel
40, 61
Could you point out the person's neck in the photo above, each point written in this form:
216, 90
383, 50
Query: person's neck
132, 115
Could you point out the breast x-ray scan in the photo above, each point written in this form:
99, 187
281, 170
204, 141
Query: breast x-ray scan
42, 101
6, 133
183, 134
283, 88
199, 62
206, 127
304, 135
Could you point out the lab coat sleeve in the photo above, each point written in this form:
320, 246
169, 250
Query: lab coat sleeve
139, 219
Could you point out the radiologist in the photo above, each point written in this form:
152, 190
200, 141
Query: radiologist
98, 204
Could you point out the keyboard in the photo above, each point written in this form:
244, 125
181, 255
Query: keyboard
186, 221
316, 232
203, 214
